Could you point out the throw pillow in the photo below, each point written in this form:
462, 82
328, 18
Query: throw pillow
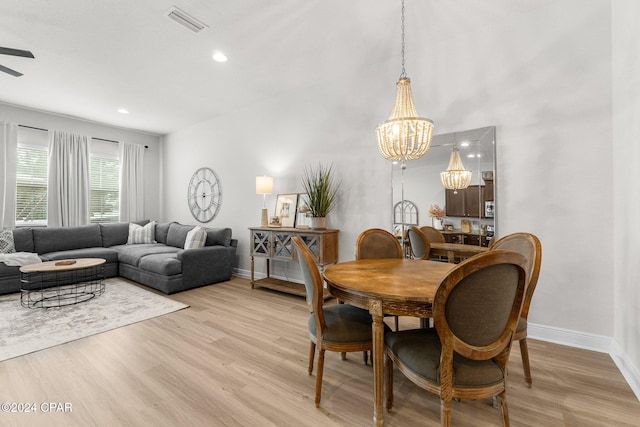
195, 238
6, 242
139, 234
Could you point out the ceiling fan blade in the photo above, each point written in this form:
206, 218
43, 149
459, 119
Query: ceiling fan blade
16, 52
10, 71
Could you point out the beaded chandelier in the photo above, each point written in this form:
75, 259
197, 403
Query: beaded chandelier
456, 177
405, 136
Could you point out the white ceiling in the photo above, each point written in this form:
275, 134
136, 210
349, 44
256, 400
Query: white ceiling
93, 57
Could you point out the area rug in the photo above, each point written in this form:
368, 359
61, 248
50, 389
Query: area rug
25, 330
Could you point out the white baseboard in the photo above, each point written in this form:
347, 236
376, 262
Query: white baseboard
561, 336
629, 372
569, 337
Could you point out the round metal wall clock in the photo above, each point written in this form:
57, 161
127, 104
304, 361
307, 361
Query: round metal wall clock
204, 195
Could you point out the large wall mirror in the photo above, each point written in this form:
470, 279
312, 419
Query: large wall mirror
470, 213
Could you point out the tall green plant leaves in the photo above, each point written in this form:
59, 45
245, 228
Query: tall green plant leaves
321, 189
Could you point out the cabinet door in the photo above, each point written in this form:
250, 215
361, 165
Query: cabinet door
282, 245
472, 240
454, 203
454, 238
260, 243
472, 200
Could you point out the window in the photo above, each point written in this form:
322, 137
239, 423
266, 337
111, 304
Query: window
32, 179
104, 191
31, 185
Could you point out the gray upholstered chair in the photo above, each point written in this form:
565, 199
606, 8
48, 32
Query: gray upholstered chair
476, 309
375, 243
528, 245
339, 327
420, 246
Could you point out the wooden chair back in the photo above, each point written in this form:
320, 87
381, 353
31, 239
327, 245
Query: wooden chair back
529, 246
420, 247
476, 309
433, 235
377, 243
313, 282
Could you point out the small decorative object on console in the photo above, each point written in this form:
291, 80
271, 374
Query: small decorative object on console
66, 262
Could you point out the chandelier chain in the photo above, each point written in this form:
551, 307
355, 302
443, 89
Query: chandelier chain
404, 73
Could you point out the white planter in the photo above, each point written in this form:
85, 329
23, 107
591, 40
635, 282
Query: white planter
318, 222
438, 223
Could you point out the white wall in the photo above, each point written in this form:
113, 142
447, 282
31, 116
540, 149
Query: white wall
540, 71
626, 188
48, 121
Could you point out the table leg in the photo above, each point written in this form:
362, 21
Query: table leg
375, 308
252, 274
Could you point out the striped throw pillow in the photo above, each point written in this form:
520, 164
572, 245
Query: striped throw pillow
195, 238
139, 234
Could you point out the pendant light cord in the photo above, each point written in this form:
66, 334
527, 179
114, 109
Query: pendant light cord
404, 73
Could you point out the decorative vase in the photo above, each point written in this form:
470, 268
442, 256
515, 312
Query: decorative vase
438, 223
318, 222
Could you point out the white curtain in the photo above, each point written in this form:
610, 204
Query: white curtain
68, 189
131, 182
8, 160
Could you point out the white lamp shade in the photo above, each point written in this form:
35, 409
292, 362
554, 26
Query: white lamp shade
264, 184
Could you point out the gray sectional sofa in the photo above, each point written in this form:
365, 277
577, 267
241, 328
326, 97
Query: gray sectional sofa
163, 265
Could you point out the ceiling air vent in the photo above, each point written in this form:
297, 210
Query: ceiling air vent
186, 20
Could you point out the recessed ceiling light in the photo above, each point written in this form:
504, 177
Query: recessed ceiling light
219, 56
123, 111
464, 144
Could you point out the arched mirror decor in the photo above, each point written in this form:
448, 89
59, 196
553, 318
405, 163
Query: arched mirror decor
470, 213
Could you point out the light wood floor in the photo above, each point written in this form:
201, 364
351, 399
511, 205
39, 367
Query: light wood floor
238, 357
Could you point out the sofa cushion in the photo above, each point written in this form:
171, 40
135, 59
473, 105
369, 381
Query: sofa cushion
178, 234
114, 233
66, 238
166, 264
218, 236
140, 235
161, 232
195, 238
23, 239
6, 242
132, 254
108, 254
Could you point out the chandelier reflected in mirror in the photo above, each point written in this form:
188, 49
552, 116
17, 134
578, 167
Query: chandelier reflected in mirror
405, 136
456, 177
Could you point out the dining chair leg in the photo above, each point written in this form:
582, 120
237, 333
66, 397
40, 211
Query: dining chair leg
312, 355
445, 413
397, 323
504, 411
365, 356
524, 352
343, 355
388, 381
319, 376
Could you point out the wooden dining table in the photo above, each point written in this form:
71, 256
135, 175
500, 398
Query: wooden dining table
403, 287
455, 250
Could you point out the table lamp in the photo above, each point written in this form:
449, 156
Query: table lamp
264, 186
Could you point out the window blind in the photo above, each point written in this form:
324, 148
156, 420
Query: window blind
31, 186
104, 189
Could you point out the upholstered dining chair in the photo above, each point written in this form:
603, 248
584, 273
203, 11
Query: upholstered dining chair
476, 309
528, 245
378, 243
420, 246
339, 327
432, 234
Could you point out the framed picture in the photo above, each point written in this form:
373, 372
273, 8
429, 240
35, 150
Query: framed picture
286, 209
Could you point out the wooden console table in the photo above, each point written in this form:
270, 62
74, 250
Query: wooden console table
275, 243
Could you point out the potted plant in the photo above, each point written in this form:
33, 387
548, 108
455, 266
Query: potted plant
321, 189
